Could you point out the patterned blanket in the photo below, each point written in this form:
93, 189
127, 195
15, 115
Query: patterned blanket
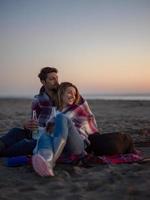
73, 159
115, 159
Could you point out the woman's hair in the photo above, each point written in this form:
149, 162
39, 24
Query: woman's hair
61, 90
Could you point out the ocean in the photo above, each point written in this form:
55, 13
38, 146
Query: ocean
118, 97
133, 97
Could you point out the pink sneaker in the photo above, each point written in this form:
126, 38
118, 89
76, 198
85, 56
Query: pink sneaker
41, 166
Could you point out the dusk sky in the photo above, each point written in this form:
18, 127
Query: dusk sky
102, 46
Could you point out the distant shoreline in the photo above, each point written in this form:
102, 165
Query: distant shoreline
103, 98
125, 98
145, 96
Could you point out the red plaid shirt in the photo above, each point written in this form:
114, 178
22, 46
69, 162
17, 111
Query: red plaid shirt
42, 104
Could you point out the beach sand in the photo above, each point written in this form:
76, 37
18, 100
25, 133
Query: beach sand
125, 181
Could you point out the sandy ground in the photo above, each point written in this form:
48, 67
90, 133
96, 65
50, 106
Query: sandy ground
125, 181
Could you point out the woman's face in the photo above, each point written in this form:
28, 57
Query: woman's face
69, 96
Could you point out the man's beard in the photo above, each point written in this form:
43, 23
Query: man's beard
54, 89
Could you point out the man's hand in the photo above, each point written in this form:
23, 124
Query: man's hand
31, 125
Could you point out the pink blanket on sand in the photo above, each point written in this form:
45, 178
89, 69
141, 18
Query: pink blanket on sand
114, 159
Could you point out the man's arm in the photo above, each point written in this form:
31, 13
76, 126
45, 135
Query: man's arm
32, 124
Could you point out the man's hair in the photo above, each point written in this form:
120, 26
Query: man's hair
46, 70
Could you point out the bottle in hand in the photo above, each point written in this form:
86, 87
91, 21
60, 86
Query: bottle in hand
35, 133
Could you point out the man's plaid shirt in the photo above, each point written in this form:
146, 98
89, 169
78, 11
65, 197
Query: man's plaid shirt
42, 104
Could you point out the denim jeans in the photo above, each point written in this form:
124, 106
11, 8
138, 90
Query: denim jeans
17, 142
64, 129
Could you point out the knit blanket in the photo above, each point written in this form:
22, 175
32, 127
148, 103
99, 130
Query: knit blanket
82, 117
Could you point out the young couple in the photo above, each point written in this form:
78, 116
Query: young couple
19, 141
72, 126
74, 129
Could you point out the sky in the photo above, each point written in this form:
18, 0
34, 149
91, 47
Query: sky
102, 46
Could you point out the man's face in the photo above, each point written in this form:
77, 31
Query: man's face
51, 81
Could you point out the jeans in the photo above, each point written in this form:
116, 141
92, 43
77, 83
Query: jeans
64, 129
17, 142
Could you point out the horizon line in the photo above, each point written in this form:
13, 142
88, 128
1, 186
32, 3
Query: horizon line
123, 95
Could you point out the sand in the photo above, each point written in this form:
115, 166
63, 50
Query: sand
126, 181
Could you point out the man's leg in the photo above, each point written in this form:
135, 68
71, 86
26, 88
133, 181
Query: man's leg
14, 135
22, 147
2, 146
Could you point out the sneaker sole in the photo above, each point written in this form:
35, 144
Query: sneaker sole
41, 166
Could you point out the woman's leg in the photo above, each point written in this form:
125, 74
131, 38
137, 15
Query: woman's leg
66, 133
42, 161
44, 144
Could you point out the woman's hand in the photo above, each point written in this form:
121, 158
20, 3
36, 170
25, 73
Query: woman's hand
50, 127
